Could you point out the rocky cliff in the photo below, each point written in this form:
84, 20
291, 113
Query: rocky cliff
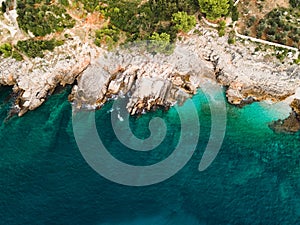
33, 80
290, 124
159, 80
151, 80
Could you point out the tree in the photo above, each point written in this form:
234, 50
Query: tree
214, 9
234, 13
183, 21
5, 50
108, 35
295, 3
160, 43
35, 48
221, 28
163, 37
3, 8
64, 2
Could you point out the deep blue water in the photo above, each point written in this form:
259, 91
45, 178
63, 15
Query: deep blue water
44, 179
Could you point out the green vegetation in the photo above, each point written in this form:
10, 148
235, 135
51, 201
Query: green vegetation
16, 55
6, 5
157, 21
64, 2
231, 37
297, 61
89, 5
214, 9
281, 53
138, 20
3, 7
221, 28
160, 43
41, 17
183, 21
34, 48
295, 3
108, 35
233, 11
251, 21
280, 25
7, 50
163, 37
129, 20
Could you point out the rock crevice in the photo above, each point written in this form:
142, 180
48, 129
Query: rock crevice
149, 80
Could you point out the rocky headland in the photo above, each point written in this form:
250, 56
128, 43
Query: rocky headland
152, 80
292, 123
35, 79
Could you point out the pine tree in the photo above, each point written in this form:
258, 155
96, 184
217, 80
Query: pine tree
214, 9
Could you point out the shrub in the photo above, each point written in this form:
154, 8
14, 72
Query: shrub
261, 26
3, 7
108, 35
251, 21
259, 34
6, 50
17, 56
42, 18
36, 48
221, 28
295, 3
183, 22
231, 37
160, 43
234, 14
214, 9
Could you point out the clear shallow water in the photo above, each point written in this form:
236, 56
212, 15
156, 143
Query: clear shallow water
255, 178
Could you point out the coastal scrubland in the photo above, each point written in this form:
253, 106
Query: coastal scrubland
42, 21
115, 22
276, 21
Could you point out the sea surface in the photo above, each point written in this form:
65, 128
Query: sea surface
44, 179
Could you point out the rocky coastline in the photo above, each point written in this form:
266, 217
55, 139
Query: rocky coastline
33, 80
292, 123
150, 80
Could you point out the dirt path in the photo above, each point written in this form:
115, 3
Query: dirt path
267, 42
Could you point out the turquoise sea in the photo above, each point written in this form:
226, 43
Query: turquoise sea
255, 178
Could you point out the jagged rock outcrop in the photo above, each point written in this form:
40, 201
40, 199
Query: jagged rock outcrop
249, 75
296, 107
290, 124
35, 79
151, 80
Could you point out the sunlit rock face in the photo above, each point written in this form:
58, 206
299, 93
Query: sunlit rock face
35, 79
290, 124
150, 80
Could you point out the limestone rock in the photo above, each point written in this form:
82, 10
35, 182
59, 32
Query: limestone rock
35, 79
290, 124
149, 80
296, 106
